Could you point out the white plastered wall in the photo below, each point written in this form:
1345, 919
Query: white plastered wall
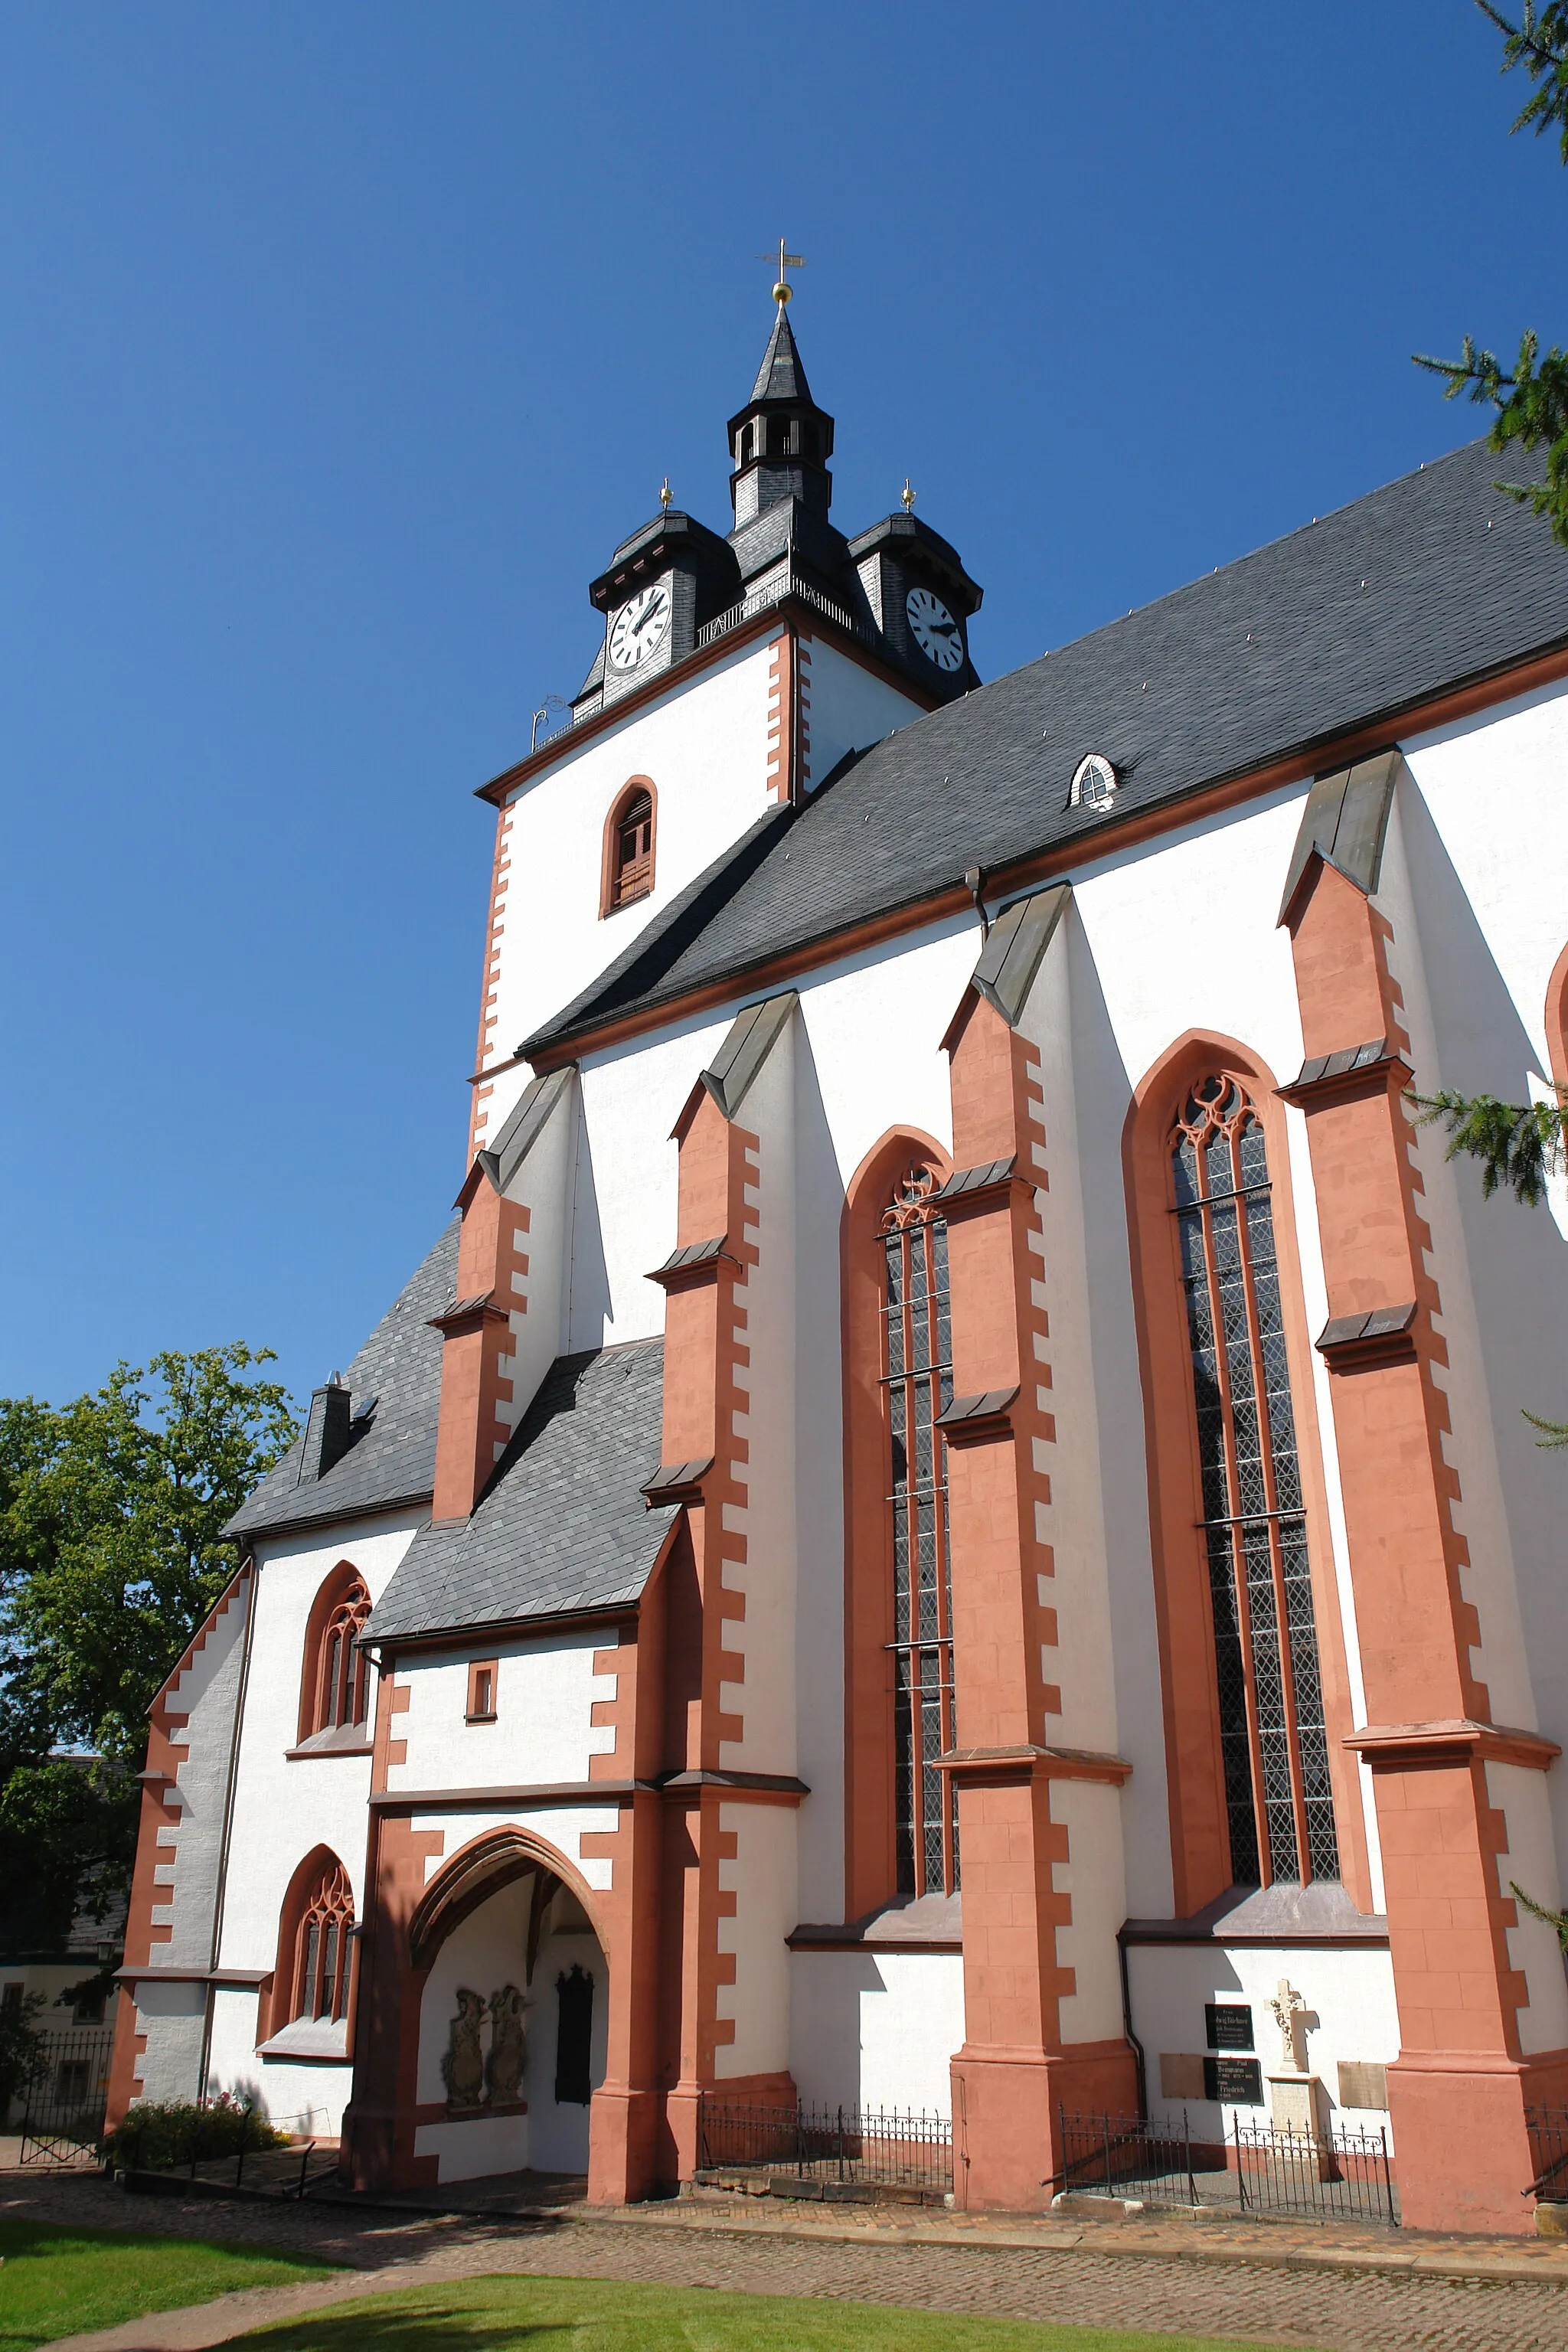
623, 1181
542, 1185
769, 1470
560, 1827
763, 1880
846, 707
1182, 934
705, 746
1351, 2017
543, 1731
284, 1808
207, 1694
878, 2028
1474, 884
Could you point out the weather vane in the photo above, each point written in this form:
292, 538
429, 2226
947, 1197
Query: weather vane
908, 496
786, 261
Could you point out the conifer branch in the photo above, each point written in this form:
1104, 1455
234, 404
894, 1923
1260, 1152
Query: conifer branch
1518, 1144
1540, 44
1556, 1919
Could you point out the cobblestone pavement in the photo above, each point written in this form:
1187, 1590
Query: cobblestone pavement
1262, 2301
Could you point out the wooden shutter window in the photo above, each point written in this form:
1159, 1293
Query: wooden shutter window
634, 851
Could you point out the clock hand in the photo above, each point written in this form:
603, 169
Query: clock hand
657, 606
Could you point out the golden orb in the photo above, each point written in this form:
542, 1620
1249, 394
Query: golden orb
781, 293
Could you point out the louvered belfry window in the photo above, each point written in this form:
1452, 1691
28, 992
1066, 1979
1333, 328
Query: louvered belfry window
322, 1947
918, 1382
633, 850
1279, 1799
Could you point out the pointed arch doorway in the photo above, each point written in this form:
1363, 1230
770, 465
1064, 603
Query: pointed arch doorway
512, 2013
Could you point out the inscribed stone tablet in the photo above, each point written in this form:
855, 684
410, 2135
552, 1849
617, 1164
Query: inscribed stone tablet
1238, 2082
1230, 2025
1363, 2084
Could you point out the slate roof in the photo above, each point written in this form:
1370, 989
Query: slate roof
393, 1457
1422, 586
562, 1525
782, 375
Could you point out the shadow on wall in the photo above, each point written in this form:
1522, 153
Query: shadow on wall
1102, 1097
1518, 1257
819, 1507
588, 1318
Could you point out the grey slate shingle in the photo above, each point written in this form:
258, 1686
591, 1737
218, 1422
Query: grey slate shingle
1437, 580
393, 1457
562, 1526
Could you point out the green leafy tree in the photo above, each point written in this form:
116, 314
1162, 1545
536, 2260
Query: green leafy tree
1531, 403
111, 1555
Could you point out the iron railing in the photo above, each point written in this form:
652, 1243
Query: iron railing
773, 591
897, 2148
64, 2094
1345, 2175
1341, 2176
1547, 2129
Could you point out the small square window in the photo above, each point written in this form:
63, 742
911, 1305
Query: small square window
482, 1672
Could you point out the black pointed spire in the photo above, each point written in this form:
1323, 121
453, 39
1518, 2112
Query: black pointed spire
781, 441
782, 375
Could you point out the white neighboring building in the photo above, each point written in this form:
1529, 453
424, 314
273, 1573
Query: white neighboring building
953, 1508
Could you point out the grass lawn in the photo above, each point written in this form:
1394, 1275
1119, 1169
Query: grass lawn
60, 2281
551, 2314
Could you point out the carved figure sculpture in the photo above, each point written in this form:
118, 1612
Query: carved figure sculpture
509, 2049
463, 2067
1289, 2008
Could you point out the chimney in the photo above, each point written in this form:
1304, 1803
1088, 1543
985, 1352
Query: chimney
326, 1431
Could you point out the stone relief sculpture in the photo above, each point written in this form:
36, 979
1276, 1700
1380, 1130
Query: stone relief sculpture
463, 2067
508, 2059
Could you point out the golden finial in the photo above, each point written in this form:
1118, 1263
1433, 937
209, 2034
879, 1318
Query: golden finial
908, 496
665, 494
783, 290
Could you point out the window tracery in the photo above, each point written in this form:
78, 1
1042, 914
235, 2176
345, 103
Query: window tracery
1274, 1743
340, 1682
918, 1383
323, 1947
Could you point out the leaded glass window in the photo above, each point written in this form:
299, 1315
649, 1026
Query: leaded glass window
1279, 1802
321, 1947
918, 1383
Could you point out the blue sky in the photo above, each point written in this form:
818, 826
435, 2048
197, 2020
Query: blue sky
344, 340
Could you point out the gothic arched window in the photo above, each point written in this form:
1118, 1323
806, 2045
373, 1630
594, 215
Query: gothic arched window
1279, 1802
629, 847
918, 1383
337, 1671
321, 1946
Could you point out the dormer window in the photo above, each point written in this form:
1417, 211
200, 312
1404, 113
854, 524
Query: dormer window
1094, 784
629, 847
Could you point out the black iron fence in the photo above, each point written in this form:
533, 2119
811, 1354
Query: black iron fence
64, 2094
1548, 2128
895, 2148
1340, 2176
1343, 2176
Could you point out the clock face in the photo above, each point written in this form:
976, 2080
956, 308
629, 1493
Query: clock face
640, 628
936, 632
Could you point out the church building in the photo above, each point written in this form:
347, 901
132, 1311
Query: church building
951, 1508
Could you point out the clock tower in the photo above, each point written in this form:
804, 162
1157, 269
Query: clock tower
899, 590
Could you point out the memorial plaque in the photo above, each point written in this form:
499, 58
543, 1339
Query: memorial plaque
1236, 2082
1230, 2025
